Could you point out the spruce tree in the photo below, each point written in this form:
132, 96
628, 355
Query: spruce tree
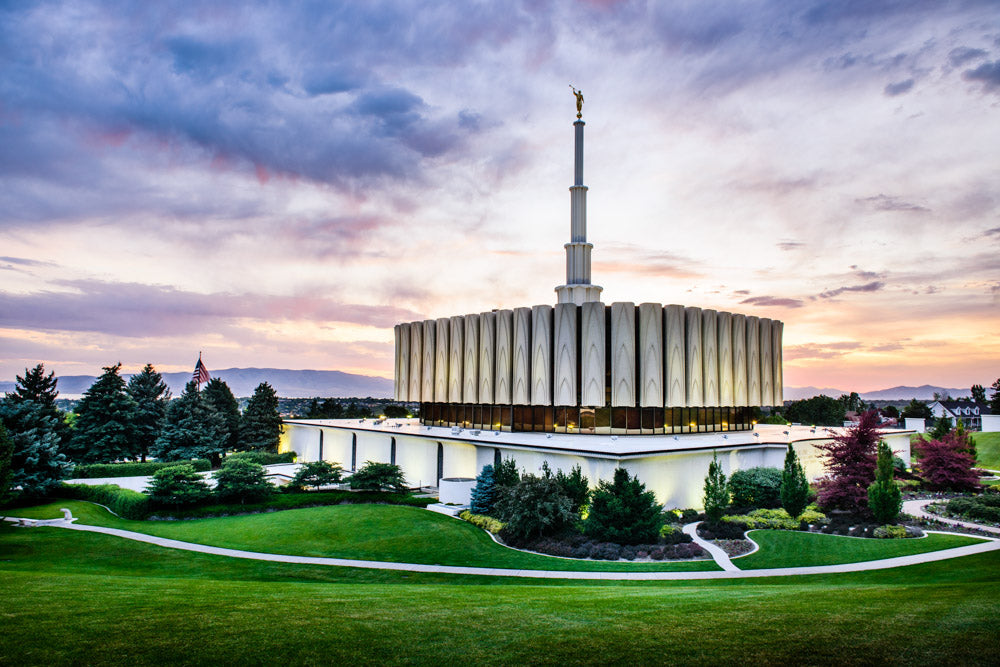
484, 492
37, 464
623, 511
716, 497
191, 430
794, 486
884, 497
104, 423
151, 396
260, 428
505, 474
995, 400
219, 397
6, 452
40, 388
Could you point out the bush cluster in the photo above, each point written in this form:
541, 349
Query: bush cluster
97, 470
487, 523
125, 503
776, 519
263, 458
578, 546
890, 532
755, 487
977, 508
845, 525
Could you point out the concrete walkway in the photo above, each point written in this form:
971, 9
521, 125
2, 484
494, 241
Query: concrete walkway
916, 508
990, 545
721, 557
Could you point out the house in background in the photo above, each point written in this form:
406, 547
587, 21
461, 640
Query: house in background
968, 412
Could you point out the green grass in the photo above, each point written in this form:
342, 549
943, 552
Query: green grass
365, 532
787, 548
988, 449
79, 598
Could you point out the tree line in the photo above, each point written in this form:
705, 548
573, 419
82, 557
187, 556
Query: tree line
118, 421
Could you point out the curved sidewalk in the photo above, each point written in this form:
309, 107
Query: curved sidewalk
916, 508
991, 545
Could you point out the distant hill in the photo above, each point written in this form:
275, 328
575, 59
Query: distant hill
923, 392
242, 381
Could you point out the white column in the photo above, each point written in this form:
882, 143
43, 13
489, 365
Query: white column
694, 395
456, 358
740, 360
441, 353
541, 355
674, 352
565, 362
416, 359
753, 360
710, 357
623, 354
396, 393
470, 369
404, 362
777, 329
487, 349
725, 327
522, 357
651, 355
766, 363
592, 351
427, 365
502, 382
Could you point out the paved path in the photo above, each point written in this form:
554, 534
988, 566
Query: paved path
990, 545
916, 508
721, 557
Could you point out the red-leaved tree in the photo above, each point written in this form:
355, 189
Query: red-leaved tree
850, 463
946, 464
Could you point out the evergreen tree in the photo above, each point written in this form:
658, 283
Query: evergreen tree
239, 479
37, 464
178, 485
623, 511
534, 507
6, 452
505, 474
576, 486
260, 428
41, 389
484, 493
917, 409
219, 397
942, 427
716, 498
151, 396
191, 430
978, 393
850, 463
884, 497
995, 401
314, 411
794, 486
104, 422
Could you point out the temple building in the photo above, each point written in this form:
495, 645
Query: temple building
656, 389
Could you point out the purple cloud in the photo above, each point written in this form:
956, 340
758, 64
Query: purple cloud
898, 88
988, 73
778, 302
873, 286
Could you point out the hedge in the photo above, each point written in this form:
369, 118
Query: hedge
263, 458
125, 503
487, 523
97, 470
288, 501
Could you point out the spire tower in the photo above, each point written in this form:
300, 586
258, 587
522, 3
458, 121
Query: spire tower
578, 289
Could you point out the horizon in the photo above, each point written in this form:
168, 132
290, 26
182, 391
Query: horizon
278, 187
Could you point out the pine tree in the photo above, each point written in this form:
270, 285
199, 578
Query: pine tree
37, 466
884, 497
260, 428
794, 486
151, 396
576, 486
104, 423
505, 474
484, 492
191, 430
40, 388
219, 397
716, 497
850, 464
995, 401
6, 452
623, 511
978, 393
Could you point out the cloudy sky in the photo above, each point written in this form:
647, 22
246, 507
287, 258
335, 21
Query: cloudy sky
277, 184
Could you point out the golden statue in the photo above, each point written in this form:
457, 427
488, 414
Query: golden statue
579, 101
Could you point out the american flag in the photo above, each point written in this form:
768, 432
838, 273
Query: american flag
200, 374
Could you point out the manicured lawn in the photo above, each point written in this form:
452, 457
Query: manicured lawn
988, 449
789, 548
366, 532
70, 597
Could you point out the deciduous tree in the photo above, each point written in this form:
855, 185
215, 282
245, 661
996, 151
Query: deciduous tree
379, 477
576, 486
317, 474
944, 464
850, 465
534, 507
995, 401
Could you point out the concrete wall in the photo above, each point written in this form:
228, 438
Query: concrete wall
991, 423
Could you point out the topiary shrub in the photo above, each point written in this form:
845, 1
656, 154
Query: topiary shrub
177, 486
98, 470
756, 487
263, 458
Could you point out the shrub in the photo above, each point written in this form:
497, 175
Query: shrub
623, 511
984, 508
98, 470
756, 487
177, 485
487, 523
576, 487
505, 473
317, 474
242, 480
890, 532
777, 519
484, 493
263, 458
536, 506
884, 498
125, 503
716, 496
723, 530
379, 477
945, 464
794, 491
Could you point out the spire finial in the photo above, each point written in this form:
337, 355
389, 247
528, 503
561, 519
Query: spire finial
579, 101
